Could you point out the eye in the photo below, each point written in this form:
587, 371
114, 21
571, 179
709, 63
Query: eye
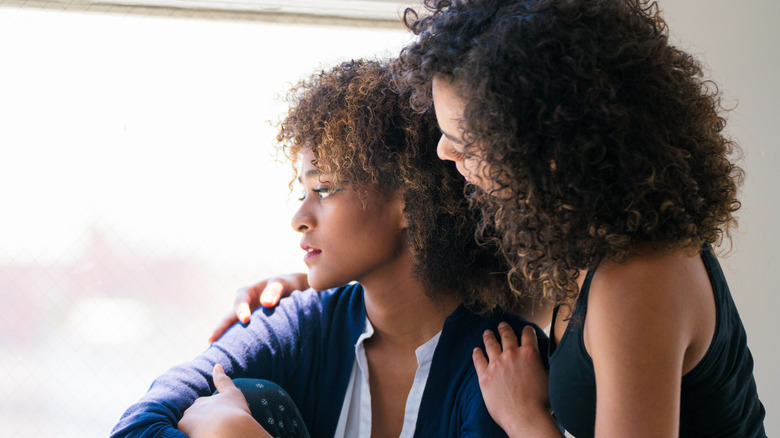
457, 154
324, 192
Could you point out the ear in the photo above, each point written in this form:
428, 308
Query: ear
400, 205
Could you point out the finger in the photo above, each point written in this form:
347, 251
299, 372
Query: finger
241, 304
271, 294
528, 337
243, 313
492, 347
480, 362
223, 326
221, 381
508, 338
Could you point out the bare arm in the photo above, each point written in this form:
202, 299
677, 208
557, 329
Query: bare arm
641, 321
649, 321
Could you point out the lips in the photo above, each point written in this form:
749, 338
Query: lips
310, 251
466, 175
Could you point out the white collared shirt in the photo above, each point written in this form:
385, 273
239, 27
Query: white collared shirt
355, 417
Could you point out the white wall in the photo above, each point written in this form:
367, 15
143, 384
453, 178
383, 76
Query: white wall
137, 193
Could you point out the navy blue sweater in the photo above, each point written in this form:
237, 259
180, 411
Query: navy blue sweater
307, 346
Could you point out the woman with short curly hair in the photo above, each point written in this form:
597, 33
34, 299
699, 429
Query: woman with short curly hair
599, 155
401, 289
364, 135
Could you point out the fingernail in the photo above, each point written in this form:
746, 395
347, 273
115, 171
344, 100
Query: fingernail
503, 324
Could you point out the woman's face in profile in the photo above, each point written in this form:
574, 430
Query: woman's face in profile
347, 236
449, 114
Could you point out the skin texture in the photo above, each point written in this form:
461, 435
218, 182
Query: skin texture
348, 236
513, 368
452, 146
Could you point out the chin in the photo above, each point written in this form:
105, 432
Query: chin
317, 285
317, 282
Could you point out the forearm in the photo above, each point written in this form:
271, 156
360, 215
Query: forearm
159, 410
253, 351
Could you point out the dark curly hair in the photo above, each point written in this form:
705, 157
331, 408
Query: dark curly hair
362, 129
601, 135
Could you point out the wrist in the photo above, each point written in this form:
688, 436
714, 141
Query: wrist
246, 426
538, 423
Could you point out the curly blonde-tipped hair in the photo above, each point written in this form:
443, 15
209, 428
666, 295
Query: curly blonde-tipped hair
363, 131
603, 135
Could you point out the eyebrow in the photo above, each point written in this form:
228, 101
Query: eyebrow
309, 173
452, 138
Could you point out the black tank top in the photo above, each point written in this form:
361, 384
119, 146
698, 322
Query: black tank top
718, 397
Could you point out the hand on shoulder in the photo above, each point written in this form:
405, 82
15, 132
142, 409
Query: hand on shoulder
266, 293
513, 381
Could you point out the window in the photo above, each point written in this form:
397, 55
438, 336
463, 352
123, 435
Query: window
138, 192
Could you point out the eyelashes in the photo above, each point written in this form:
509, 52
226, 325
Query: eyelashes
322, 192
457, 154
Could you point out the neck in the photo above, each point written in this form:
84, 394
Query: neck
400, 311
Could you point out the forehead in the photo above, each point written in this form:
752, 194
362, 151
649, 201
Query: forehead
307, 170
449, 106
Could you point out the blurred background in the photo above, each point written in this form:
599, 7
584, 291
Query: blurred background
139, 189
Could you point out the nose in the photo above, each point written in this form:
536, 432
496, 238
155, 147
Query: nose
302, 220
444, 150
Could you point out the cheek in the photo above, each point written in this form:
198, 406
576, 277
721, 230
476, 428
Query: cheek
469, 168
479, 171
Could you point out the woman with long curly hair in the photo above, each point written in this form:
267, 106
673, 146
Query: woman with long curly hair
381, 210
597, 150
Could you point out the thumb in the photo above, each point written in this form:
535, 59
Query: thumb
222, 382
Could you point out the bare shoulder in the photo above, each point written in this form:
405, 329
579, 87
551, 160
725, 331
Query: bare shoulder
658, 294
650, 320
655, 278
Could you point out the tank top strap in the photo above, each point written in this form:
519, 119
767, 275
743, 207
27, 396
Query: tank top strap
581, 307
582, 298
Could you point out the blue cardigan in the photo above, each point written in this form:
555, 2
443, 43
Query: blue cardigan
306, 345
